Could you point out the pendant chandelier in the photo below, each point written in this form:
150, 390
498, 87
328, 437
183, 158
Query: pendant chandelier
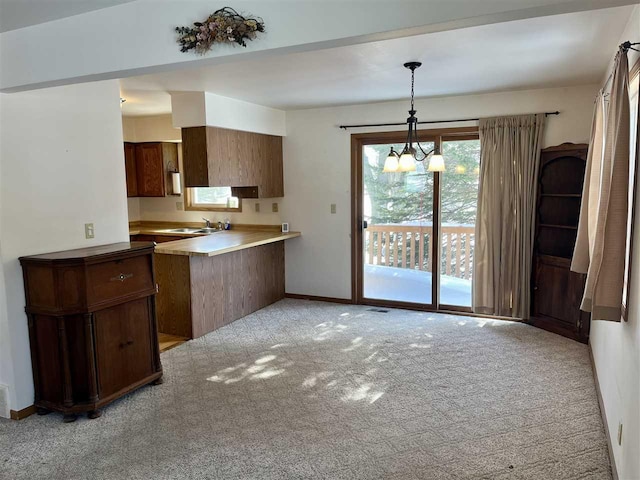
413, 151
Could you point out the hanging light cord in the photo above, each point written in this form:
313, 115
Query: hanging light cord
413, 74
412, 134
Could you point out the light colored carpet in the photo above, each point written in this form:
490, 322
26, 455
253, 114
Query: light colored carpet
315, 390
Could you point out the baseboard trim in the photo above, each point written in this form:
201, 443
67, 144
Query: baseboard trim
415, 307
603, 413
319, 299
22, 414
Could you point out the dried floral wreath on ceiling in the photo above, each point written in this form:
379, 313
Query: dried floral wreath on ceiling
223, 26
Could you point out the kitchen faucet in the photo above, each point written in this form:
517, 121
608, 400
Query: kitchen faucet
207, 222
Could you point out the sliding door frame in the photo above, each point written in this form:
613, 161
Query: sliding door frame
358, 141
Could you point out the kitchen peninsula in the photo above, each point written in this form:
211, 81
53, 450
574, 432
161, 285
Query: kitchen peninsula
209, 281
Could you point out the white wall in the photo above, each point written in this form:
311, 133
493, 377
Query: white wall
317, 169
138, 37
62, 166
196, 109
159, 128
152, 128
6, 360
616, 346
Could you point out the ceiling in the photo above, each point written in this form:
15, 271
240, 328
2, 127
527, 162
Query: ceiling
16, 14
553, 51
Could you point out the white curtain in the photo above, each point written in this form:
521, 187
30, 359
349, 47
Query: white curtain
600, 249
509, 162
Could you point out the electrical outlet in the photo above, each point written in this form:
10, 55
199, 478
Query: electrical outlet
620, 433
274, 207
88, 230
333, 208
257, 207
179, 206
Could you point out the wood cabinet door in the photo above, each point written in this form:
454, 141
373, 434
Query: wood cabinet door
150, 170
124, 354
223, 164
272, 174
130, 169
557, 294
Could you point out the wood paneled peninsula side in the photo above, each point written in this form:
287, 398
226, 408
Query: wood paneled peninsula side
208, 282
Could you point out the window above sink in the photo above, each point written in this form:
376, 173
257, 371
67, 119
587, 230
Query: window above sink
217, 199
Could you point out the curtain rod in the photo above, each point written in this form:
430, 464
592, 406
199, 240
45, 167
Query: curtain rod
344, 127
626, 46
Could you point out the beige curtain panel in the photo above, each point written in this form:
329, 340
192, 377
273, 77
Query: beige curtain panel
602, 230
504, 235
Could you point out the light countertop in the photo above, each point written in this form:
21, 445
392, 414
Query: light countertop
222, 242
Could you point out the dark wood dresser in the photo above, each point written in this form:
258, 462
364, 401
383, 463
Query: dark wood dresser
92, 326
557, 291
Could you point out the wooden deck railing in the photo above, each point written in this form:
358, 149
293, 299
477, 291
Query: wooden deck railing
404, 246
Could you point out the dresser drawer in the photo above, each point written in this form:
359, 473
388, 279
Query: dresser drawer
119, 278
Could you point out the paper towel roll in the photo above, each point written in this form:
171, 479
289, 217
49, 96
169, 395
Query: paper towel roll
175, 180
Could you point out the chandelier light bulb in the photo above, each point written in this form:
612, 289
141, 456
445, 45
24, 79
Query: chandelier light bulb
391, 163
436, 163
407, 162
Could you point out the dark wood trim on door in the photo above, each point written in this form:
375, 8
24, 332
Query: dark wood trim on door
357, 142
435, 244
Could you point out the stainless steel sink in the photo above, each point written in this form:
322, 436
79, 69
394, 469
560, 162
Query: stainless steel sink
208, 230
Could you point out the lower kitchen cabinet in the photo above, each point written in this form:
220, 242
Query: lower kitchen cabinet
92, 326
199, 294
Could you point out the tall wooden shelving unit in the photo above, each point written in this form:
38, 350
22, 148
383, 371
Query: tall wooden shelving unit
557, 292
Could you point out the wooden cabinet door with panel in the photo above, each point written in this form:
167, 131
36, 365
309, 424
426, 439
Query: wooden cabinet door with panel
148, 166
130, 169
123, 346
150, 170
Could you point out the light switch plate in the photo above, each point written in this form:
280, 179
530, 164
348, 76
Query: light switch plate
274, 207
257, 207
179, 206
89, 231
333, 208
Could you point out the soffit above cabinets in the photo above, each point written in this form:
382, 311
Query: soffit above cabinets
198, 109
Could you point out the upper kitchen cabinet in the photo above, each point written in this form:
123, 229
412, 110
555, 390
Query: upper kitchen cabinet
148, 166
218, 157
130, 169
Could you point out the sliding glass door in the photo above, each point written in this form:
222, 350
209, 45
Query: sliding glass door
413, 242
458, 205
398, 229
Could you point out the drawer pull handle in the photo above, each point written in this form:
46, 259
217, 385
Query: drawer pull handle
121, 278
126, 344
